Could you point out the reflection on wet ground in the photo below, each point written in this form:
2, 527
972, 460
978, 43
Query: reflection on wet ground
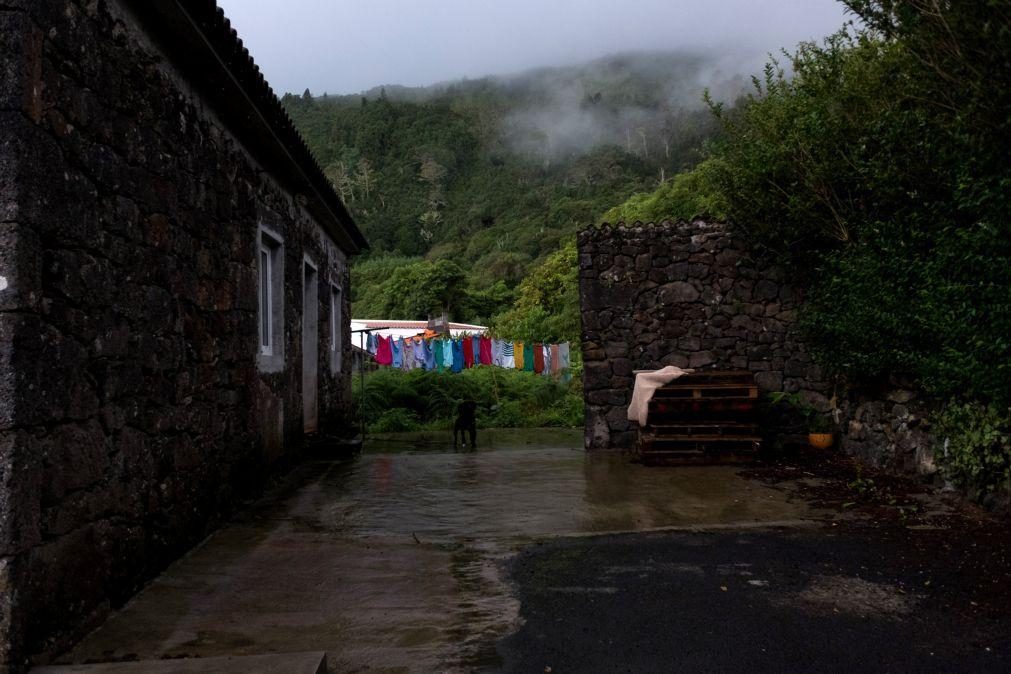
392, 560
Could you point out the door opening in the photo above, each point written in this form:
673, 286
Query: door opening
310, 348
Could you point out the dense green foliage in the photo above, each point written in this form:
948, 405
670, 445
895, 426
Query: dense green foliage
419, 400
547, 301
687, 195
977, 453
464, 189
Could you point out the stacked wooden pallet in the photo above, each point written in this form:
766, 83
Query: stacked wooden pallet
704, 417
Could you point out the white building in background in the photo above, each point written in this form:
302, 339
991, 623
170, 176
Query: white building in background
405, 329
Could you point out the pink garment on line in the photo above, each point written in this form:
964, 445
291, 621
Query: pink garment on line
384, 352
484, 347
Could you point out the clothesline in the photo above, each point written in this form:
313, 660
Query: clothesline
461, 353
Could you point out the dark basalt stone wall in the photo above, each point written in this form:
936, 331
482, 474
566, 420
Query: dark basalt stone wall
133, 415
695, 295
683, 294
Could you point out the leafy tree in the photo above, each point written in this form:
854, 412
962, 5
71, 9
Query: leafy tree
547, 302
686, 196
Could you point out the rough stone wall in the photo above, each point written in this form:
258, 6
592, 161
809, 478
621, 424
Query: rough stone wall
693, 295
683, 294
890, 428
133, 417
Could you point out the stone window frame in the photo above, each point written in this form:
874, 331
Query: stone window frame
336, 329
270, 248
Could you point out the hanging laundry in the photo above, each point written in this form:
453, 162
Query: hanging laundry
563, 356
518, 351
457, 351
397, 347
528, 357
467, 344
438, 348
484, 350
419, 352
546, 348
384, 353
429, 347
408, 355
538, 358
496, 352
556, 361
508, 355
371, 343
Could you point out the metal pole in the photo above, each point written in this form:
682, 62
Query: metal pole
361, 382
361, 373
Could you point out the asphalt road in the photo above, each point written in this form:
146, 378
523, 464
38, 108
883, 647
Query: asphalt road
789, 600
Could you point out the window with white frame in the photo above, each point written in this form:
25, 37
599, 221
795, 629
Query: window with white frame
270, 289
336, 329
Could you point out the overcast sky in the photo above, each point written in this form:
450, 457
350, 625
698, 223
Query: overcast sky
346, 46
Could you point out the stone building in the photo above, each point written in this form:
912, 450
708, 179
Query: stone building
173, 300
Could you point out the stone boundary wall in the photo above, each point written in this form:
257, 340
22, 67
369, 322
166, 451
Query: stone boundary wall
133, 416
683, 294
694, 295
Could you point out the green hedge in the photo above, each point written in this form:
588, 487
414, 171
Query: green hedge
419, 400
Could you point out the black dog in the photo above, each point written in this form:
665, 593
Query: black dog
466, 421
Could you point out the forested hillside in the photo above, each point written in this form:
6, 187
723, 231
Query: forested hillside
465, 189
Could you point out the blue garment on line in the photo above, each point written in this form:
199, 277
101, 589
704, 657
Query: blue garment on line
418, 348
397, 346
429, 356
458, 355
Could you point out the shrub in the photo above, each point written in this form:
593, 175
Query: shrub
396, 420
977, 445
406, 401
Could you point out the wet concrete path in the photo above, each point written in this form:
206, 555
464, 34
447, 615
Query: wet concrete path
393, 561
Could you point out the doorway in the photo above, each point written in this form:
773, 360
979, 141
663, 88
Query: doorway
310, 348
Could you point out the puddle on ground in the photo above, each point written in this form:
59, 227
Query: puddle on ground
392, 561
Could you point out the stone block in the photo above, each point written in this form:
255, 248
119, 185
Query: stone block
676, 359
621, 367
701, 359
606, 398
678, 292
596, 375
766, 290
769, 381
698, 271
795, 368
617, 420
689, 344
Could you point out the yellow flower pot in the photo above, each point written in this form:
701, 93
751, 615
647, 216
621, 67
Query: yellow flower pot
820, 440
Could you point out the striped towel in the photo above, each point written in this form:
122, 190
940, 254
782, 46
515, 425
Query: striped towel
508, 355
